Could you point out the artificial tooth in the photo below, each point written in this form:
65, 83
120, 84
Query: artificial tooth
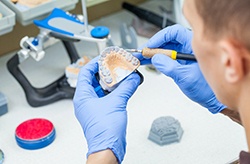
103, 55
108, 80
116, 49
112, 49
129, 57
135, 62
100, 61
100, 67
106, 51
105, 72
124, 54
120, 52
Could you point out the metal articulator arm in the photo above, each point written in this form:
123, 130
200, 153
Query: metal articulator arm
55, 91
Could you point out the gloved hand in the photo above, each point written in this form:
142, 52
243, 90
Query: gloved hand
186, 74
103, 118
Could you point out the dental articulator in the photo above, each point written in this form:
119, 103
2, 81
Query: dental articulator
67, 28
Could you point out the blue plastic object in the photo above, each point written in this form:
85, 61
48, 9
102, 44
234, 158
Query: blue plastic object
100, 32
35, 41
37, 144
35, 134
56, 13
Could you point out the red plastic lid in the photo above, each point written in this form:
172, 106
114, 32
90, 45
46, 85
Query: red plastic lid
34, 129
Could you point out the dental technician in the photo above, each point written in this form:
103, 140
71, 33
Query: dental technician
220, 40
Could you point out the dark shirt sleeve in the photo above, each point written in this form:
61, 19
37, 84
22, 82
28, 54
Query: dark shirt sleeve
244, 158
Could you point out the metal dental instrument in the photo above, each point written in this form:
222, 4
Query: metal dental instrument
149, 53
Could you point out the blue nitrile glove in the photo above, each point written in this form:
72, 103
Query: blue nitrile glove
103, 119
186, 74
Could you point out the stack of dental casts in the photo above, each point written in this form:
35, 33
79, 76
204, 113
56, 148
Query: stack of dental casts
115, 64
72, 71
29, 3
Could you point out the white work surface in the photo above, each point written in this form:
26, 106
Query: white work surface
207, 138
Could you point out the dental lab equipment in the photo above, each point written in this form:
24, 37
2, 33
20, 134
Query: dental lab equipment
149, 53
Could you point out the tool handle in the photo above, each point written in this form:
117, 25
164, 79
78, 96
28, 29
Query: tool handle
186, 57
149, 53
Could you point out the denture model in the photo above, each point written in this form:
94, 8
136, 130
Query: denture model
115, 64
1, 15
30, 3
72, 71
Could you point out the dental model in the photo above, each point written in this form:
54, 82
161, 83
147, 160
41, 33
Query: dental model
1, 15
115, 64
165, 130
72, 71
30, 3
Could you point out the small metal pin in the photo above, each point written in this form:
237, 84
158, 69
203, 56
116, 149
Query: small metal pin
133, 50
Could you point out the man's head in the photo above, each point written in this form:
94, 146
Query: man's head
221, 44
226, 18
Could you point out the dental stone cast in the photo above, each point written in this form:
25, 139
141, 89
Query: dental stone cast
30, 3
72, 70
115, 64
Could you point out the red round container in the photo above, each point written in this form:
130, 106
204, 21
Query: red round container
35, 133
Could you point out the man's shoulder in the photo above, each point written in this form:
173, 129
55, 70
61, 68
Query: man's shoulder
244, 157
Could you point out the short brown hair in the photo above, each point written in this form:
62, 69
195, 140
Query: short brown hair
226, 18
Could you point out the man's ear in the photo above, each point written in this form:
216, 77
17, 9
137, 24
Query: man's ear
232, 60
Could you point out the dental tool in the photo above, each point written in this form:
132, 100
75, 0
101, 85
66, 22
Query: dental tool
150, 52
